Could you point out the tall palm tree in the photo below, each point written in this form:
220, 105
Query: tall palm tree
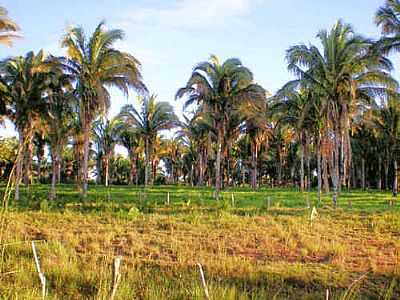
259, 130
219, 88
96, 65
59, 119
26, 79
8, 28
292, 106
130, 138
149, 121
348, 71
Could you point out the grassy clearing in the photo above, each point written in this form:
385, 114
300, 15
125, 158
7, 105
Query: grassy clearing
248, 251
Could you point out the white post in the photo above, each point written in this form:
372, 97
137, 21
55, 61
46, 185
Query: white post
168, 198
203, 281
116, 276
233, 200
41, 275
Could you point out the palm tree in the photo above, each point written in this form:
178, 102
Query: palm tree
293, 106
105, 135
96, 65
219, 89
258, 128
347, 73
172, 152
59, 118
149, 121
388, 18
8, 28
130, 138
26, 81
388, 123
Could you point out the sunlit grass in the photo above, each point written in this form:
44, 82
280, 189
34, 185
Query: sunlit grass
249, 250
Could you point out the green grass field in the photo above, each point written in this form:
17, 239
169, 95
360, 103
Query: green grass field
250, 248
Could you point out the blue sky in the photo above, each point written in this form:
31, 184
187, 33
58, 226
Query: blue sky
170, 37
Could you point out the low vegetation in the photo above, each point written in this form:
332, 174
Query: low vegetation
250, 248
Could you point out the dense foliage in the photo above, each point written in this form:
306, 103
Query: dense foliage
340, 111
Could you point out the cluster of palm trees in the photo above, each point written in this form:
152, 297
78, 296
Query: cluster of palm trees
334, 126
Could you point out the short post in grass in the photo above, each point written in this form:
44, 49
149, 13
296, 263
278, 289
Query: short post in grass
203, 282
38, 269
167, 198
313, 216
233, 200
268, 202
116, 276
350, 204
327, 294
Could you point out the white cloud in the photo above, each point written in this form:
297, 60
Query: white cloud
145, 56
191, 13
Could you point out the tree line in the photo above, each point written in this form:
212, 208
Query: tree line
334, 126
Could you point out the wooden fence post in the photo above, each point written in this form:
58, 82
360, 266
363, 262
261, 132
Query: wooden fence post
41, 275
203, 281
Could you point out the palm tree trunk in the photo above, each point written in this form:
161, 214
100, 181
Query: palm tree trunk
218, 163
85, 166
395, 178
54, 164
39, 169
107, 168
28, 153
59, 169
363, 173
18, 169
201, 171
301, 167
380, 173
132, 166
147, 163
325, 174
98, 168
386, 167
334, 166
308, 181
254, 165
319, 170
279, 171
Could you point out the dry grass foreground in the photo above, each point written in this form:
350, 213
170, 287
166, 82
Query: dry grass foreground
275, 254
